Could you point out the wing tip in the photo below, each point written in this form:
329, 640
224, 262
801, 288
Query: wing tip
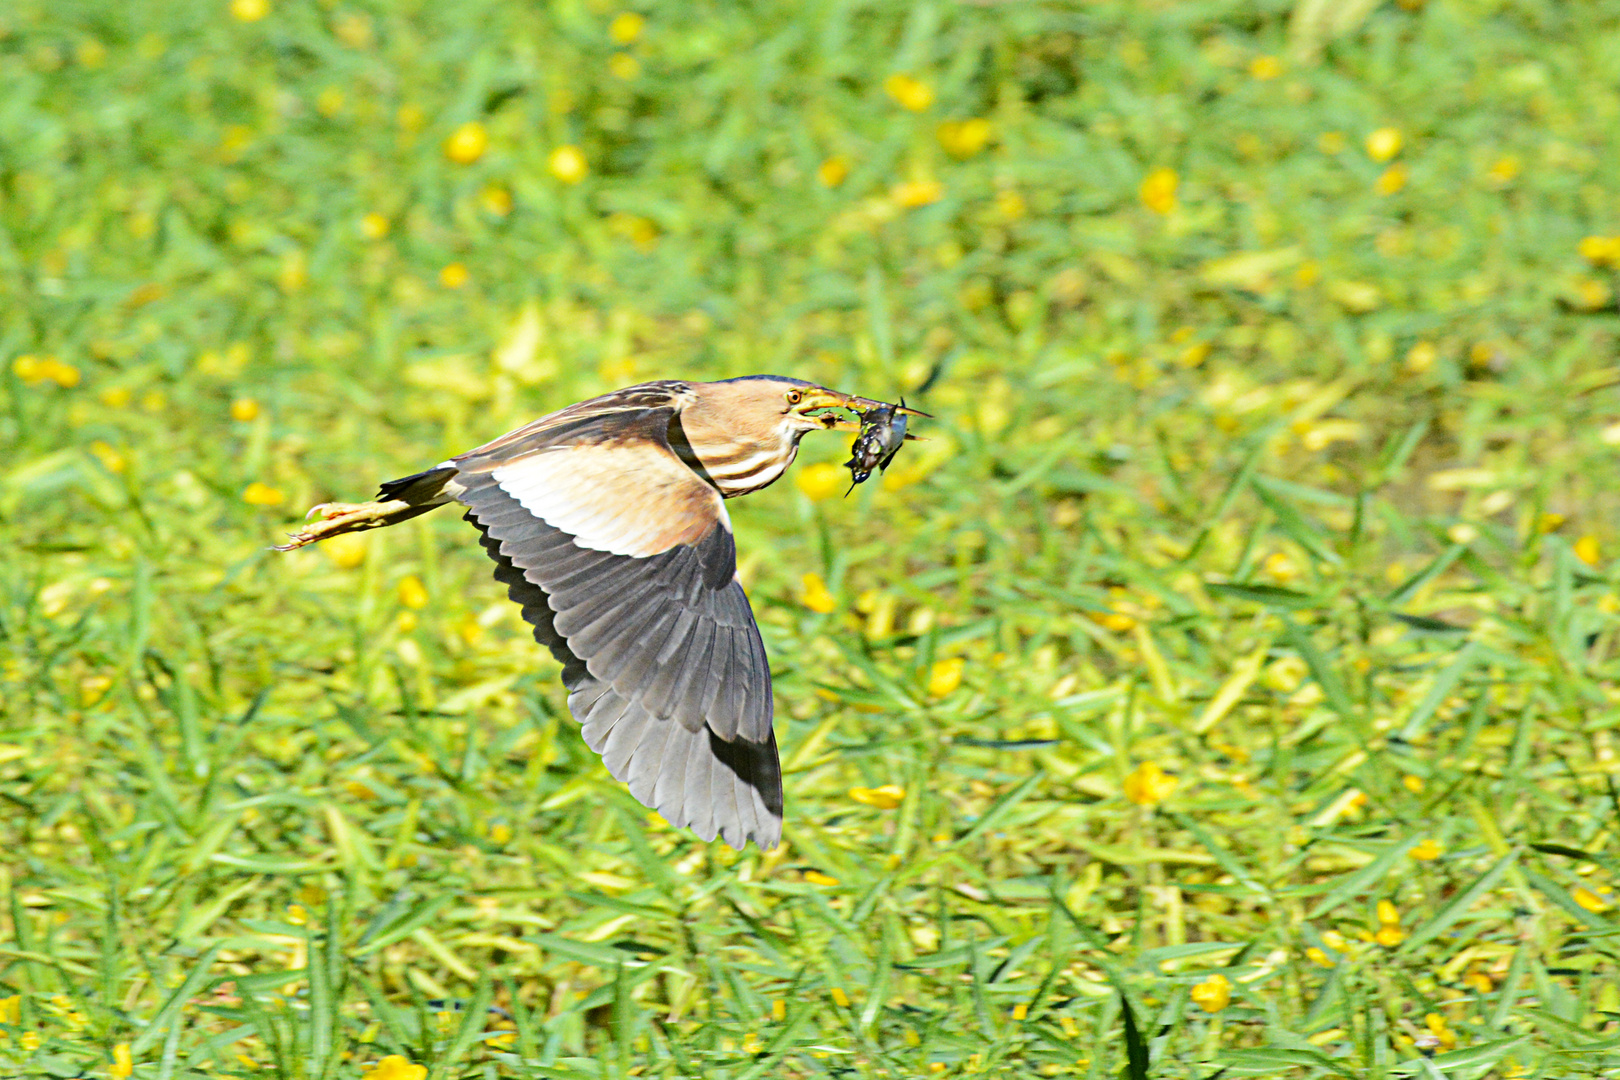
699, 782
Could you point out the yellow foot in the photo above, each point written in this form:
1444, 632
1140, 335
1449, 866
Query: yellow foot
331, 510
347, 517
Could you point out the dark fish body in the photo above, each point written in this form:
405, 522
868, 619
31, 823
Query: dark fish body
883, 432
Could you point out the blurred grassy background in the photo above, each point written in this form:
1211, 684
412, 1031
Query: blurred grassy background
1244, 638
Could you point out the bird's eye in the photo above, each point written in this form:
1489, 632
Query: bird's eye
795, 396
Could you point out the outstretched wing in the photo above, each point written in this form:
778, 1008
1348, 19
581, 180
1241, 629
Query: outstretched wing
623, 560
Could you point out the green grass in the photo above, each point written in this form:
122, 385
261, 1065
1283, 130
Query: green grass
1301, 490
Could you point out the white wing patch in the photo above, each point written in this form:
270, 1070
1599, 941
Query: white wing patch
625, 499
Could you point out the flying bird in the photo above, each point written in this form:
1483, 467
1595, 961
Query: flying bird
607, 523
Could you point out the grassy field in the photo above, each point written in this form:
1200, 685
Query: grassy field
1241, 646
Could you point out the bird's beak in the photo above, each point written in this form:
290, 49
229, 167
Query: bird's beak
819, 397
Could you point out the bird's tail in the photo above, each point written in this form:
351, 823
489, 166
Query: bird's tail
397, 501
425, 489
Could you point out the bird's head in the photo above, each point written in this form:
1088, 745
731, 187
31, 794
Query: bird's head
742, 433
766, 405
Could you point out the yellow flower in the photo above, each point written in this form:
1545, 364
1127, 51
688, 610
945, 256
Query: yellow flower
1213, 994
355, 31
117, 397
297, 914
110, 459
640, 231
1117, 621
840, 998
1278, 566
1600, 250
1384, 143
915, 193
1388, 915
1284, 674
293, 273
38, 369
1389, 936
11, 1009
467, 143
1427, 851
346, 551
1334, 940
1442, 1034
63, 375
1318, 957
92, 688
833, 171
1588, 294
1356, 297
623, 66
91, 53
816, 595
1588, 551
1421, 357
819, 481
249, 10
1158, 190
259, 493
329, 102
1390, 180
412, 593
778, 1010
359, 789
816, 877
1505, 171
1265, 67
1589, 900
496, 199
909, 92
886, 797
964, 138
30, 1041
454, 275
1149, 785
567, 163
394, 1067
374, 226
626, 27
945, 676
244, 410
500, 833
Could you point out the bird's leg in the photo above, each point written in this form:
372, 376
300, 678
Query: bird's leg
352, 517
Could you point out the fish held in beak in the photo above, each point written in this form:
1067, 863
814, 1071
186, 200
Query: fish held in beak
818, 398
882, 433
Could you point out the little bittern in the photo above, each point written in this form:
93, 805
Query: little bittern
607, 523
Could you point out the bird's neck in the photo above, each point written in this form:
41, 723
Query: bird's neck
736, 466
750, 467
